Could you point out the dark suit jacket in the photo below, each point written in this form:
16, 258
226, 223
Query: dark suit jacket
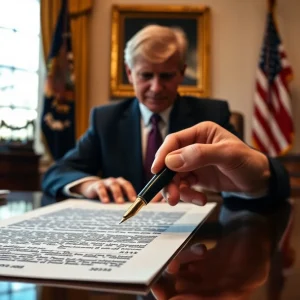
112, 145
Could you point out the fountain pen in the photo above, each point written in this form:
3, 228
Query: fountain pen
156, 183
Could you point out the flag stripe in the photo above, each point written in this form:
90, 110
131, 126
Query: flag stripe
269, 124
265, 129
272, 126
284, 93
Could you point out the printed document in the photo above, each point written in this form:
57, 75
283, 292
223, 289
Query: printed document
82, 240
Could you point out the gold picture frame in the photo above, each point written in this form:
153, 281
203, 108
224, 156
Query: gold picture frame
194, 20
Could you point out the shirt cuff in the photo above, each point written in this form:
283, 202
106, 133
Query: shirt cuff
226, 215
246, 196
66, 189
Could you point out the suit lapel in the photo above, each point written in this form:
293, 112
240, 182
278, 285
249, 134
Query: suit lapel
181, 116
129, 127
130, 133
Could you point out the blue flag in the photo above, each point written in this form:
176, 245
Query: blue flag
58, 116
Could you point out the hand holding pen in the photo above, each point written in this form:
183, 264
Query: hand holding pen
212, 157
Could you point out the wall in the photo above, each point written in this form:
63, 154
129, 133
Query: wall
237, 28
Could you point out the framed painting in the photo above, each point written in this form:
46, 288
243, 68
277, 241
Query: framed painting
194, 20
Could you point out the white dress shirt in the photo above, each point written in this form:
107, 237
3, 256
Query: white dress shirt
146, 126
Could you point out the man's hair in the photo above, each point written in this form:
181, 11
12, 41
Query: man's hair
156, 44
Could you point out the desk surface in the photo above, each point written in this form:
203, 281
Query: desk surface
249, 256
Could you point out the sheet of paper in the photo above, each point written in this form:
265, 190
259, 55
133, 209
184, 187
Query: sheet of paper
81, 240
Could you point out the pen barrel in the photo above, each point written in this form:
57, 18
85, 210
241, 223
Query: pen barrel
156, 184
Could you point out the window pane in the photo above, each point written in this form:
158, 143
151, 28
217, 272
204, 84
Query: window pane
17, 118
25, 90
19, 63
18, 88
6, 84
19, 50
23, 15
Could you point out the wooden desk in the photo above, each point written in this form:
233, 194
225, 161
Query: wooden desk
19, 170
292, 164
239, 238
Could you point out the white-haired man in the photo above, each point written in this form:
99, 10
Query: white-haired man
111, 160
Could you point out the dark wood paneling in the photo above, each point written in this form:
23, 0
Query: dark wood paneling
19, 170
292, 164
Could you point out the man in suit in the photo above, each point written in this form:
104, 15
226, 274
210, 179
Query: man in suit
111, 159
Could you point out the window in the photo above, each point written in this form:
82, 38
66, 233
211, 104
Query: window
19, 67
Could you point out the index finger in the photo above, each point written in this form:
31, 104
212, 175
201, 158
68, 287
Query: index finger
127, 188
171, 143
194, 253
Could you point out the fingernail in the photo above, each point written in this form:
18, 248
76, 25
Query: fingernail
120, 199
172, 268
197, 249
167, 198
174, 160
197, 202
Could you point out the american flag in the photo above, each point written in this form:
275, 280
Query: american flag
272, 130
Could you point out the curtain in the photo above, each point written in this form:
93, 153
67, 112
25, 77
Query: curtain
49, 13
79, 11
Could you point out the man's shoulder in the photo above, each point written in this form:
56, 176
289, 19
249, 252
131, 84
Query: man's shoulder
204, 109
191, 100
115, 106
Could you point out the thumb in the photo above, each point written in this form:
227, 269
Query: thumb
196, 156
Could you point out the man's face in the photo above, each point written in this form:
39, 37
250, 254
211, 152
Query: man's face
155, 84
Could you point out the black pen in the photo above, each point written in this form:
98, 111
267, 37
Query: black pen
155, 185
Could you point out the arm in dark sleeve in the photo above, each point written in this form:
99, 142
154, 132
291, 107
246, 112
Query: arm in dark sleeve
82, 161
279, 191
279, 188
225, 115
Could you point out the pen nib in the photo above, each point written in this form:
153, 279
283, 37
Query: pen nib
133, 209
123, 219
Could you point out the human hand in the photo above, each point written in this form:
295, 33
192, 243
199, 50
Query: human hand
165, 288
233, 269
118, 188
209, 156
158, 198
